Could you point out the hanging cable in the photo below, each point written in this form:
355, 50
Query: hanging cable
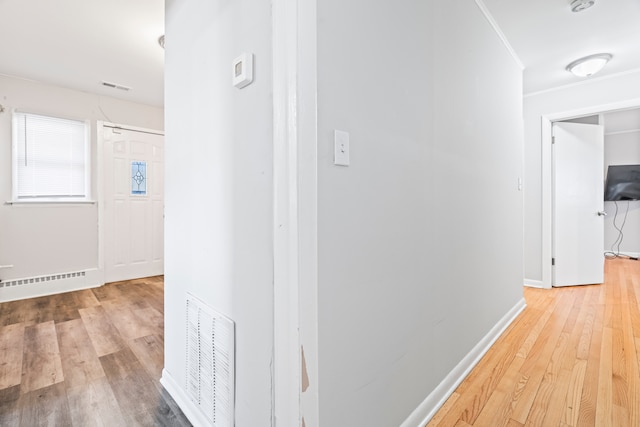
615, 247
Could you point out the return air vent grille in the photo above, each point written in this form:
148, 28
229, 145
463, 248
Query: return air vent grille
210, 362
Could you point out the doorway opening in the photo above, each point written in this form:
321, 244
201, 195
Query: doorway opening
621, 125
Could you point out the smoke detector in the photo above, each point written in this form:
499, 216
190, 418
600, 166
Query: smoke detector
580, 5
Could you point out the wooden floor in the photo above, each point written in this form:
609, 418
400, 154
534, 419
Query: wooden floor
86, 358
570, 359
94, 358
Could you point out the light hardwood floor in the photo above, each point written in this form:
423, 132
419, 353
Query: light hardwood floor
570, 359
86, 358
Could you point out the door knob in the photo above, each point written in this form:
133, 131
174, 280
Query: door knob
602, 213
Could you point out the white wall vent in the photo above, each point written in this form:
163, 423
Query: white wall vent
210, 362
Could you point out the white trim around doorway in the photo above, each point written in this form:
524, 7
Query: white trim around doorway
547, 184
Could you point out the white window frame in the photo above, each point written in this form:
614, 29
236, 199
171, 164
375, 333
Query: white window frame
15, 199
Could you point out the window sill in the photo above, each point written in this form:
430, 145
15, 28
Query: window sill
49, 202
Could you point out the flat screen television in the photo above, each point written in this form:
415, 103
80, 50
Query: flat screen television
623, 183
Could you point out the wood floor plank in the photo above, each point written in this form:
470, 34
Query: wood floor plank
80, 363
107, 292
619, 369
538, 360
633, 296
47, 406
562, 396
150, 352
64, 307
633, 374
10, 406
11, 349
604, 408
131, 321
584, 342
150, 294
556, 405
167, 413
18, 312
85, 298
620, 417
497, 411
444, 410
94, 404
533, 334
551, 379
9, 313
152, 318
588, 402
574, 393
41, 364
104, 336
133, 388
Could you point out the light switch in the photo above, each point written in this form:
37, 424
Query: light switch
341, 148
243, 70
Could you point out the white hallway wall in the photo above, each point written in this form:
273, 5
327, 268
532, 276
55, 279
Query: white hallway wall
50, 239
412, 274
420, 239
591, 96
219, 190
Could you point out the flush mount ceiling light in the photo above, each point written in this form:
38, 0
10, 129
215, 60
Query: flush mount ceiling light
589, 65
580, 5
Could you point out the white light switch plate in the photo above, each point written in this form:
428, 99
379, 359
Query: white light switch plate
243, 70
341, 148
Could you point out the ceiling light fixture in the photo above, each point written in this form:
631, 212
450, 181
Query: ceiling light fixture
161, 41
580, 5
589, 65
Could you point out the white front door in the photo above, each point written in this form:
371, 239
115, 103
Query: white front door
133, 203
578, 229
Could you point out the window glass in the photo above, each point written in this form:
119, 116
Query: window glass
50, 158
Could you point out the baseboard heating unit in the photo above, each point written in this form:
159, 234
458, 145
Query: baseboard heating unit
41, 279
50, 284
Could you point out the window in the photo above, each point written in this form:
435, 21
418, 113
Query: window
50, 158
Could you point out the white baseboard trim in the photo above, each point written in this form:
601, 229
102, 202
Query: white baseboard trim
629, 254
428, 408
190, 410
534, 283
39, 286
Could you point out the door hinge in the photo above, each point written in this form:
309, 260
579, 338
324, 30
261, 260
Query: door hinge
553, 139
553, 261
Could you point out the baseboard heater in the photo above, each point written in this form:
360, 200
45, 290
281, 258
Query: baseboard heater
41, 279
210, 376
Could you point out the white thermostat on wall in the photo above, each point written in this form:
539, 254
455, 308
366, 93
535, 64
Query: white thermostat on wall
243, 70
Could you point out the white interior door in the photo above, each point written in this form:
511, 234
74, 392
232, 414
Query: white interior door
578, 229
133, 204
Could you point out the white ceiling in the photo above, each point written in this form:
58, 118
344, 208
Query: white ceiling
547, 36
80, 43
